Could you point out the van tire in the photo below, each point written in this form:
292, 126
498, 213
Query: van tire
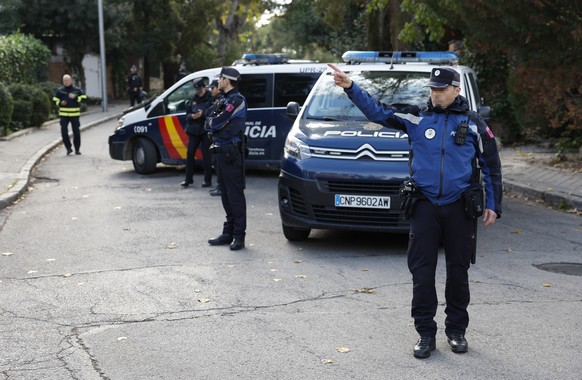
296, 234
144, 156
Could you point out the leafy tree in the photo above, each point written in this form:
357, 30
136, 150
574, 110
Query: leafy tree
538, 42
23, 59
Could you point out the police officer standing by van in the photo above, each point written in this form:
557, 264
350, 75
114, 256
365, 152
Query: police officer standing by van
451, 147
197, 135
227, 125
69, 98
216, 96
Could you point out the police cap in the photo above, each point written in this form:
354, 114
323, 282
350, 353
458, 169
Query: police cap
214, 83
199, 83
230, 73
441, 77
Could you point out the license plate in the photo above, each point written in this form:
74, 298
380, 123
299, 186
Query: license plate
362, 201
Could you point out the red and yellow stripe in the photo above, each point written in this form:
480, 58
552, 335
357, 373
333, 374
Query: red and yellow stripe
174, 137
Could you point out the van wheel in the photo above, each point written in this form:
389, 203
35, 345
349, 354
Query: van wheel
144, 157
295, 234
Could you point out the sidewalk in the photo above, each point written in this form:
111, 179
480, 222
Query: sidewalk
524, 173
21, 151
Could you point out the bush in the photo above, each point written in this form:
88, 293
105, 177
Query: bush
6, 108
23, 59
35, 114
50, 88
22, 113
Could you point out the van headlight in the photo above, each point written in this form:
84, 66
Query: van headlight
296, 148
120, 123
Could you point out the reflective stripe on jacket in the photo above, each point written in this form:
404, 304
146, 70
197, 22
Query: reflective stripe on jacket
73, 106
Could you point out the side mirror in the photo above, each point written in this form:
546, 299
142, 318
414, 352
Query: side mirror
292, 110
485, 113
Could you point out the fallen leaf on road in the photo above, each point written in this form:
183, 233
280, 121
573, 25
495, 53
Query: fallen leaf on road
32, 271
203, 300
297, 261
122, 338
327, 361
516, 232
365, 290
343, 349
276, 279
51, 259
67, 275
301, 276
7, 253
546, 285
171, 245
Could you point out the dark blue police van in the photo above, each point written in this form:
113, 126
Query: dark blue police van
341, 171
153, 132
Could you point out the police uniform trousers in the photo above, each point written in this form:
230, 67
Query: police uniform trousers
231, 179
194, 142
431, 225
75, 124
134, 97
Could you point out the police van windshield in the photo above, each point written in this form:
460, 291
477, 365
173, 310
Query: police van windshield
329, 102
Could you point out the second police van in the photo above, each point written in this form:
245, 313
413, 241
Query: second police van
341, 171
154, 132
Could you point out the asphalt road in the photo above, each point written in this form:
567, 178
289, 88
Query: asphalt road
106, 274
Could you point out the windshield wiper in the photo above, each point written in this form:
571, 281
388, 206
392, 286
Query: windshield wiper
324, 118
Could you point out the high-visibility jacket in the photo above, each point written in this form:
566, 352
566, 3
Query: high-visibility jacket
73, 96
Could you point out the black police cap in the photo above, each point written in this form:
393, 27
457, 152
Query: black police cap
230, 73
198, 83
441, 77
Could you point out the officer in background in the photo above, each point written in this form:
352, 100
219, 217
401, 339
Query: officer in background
134, 86
197, 135
216, 96
227, 125
447, 140
68, 98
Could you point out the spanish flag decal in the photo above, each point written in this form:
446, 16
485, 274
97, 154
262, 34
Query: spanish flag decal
175, 139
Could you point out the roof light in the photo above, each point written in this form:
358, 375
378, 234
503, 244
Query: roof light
264, 59
435, 57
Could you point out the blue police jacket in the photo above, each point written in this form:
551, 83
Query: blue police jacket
227, 124
441, 169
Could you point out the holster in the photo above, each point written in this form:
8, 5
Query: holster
473, 202
409, 196
230, 150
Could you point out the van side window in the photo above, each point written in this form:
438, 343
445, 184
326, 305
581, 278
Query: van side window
176, 101
293, 87
257, 90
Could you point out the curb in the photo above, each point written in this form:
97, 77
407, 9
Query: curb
23, 178
551, 199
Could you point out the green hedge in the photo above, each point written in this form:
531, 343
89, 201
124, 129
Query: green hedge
23, 59
6, 109
31, 106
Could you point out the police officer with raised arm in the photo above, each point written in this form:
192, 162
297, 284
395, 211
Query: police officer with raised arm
451, 146
227, 125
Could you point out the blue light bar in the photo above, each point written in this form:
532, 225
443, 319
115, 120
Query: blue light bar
265, 59
435, 57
